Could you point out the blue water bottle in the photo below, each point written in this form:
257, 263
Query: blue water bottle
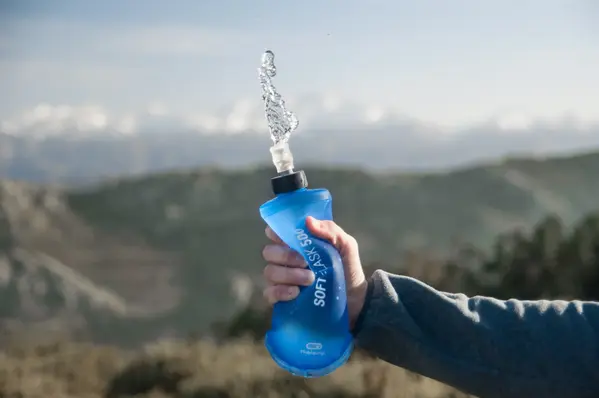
309, 335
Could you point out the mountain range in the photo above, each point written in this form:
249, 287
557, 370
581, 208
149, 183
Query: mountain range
66, 151
171, 253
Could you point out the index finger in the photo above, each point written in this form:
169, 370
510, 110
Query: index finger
270, 234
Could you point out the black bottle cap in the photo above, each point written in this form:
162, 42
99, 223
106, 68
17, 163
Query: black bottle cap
289, 182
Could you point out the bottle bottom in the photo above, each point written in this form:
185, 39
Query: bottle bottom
310, 373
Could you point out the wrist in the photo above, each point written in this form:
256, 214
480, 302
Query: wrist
355, 301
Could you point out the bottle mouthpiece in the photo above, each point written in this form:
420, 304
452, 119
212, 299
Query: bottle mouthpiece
282, 157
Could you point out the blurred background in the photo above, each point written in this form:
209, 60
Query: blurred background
460, 141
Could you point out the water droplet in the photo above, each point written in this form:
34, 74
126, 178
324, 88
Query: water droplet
281, 121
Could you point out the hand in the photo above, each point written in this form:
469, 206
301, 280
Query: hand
286, 269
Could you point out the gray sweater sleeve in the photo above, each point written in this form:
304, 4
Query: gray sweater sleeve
480, 345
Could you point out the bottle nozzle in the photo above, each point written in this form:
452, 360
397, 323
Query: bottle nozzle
282, 157
287, 180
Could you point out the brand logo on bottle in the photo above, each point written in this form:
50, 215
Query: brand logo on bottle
315, 261
313, 349
314, 346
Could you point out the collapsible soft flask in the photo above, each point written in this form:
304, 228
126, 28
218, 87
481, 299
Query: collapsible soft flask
310, 335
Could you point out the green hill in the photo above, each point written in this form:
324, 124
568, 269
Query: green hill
182, 250
208, 210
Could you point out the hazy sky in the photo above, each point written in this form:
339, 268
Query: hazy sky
449, 62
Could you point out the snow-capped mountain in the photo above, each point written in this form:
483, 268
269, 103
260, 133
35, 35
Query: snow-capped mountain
82, 143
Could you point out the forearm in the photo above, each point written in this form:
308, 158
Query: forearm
487, 347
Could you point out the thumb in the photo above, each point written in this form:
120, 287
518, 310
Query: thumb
327, 230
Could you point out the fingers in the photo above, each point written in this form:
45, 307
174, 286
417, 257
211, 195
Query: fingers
276, 293
283, 255
333, 233
270, 234
280, 275
287, 270
283, 282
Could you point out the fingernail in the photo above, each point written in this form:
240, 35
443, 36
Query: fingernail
291, 291
307, 276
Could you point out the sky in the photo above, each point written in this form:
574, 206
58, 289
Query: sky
449, 63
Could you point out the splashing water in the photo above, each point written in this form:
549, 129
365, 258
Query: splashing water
281, 122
